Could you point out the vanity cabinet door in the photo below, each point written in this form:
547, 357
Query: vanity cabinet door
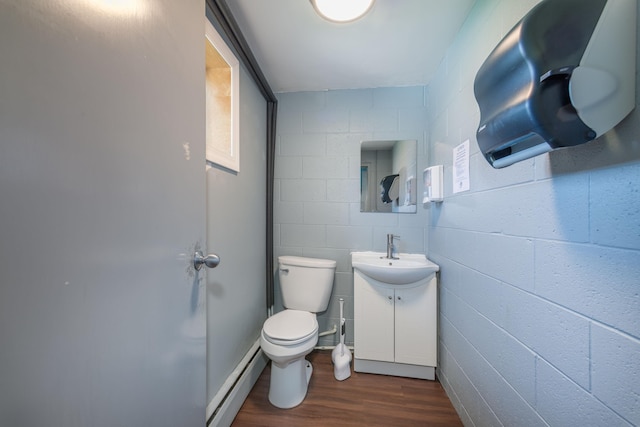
373, 320
415, 324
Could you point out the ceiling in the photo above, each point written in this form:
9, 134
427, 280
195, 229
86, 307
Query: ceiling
398, 43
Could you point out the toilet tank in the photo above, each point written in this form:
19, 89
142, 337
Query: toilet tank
306, 283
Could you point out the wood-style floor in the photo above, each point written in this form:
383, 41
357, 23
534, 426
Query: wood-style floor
360, 400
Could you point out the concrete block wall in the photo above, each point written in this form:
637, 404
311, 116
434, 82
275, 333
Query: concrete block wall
317, 181
540, 262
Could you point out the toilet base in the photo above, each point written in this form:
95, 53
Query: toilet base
288, 385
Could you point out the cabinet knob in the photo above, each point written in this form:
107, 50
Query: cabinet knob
390, 297
399, 298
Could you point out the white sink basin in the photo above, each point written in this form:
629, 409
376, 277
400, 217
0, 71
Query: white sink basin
409, 268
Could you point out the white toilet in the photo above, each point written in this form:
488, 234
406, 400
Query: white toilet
288, 336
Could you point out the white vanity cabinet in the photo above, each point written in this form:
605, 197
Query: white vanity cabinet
395, 327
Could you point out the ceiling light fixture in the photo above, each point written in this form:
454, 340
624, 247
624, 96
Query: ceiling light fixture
342, 10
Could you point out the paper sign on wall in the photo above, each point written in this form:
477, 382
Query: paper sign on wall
461, 167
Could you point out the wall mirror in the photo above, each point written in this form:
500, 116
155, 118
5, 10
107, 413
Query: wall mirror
388, 176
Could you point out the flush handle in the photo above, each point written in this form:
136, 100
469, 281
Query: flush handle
211, 260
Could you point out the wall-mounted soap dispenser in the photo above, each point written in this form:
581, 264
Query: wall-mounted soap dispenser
564, 75
433, 185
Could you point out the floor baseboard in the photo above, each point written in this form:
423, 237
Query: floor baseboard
224, 415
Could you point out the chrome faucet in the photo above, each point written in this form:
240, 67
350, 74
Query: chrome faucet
390, 246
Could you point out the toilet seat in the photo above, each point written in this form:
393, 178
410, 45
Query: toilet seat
290, 327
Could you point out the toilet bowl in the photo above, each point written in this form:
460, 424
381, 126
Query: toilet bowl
288, 336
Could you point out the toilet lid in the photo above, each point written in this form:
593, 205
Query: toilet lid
290, 326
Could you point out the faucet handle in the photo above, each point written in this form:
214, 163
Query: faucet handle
391, 236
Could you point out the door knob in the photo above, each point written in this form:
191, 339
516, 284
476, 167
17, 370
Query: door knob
211, 260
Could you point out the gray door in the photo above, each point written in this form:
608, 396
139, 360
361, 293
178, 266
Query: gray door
102, 204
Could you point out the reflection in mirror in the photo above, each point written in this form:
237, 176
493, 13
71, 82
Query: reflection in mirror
388, 176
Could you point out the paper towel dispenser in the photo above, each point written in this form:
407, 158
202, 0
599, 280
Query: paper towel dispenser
564, 75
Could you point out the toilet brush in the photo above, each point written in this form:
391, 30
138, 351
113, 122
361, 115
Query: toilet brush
337, 351
341, 356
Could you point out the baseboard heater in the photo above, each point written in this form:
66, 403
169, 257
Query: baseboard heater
227, 402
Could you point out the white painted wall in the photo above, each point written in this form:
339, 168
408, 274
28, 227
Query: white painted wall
317, 185
540, 262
